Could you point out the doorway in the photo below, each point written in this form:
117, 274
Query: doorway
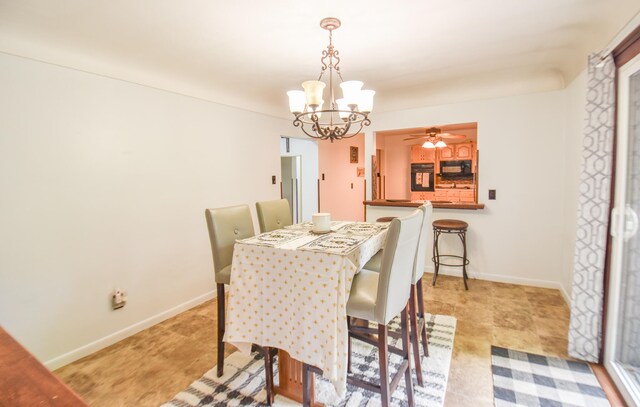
342, 188
622, 353
291, 188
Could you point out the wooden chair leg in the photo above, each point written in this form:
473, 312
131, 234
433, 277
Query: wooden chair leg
421, 314
268, 372
413, 332
306, 385
405, 351
349, 345
383, 355
221, 300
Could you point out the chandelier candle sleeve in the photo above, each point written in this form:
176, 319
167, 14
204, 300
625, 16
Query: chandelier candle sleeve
313, 90
351, 92
343, 109
296, 101
366, 101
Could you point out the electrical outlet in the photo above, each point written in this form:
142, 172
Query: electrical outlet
492, 194
118, 298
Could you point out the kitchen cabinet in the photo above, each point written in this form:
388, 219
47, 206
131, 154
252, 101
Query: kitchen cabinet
422, 155
422, 196
467, 195
455, 195
441, 194
464, 151
448, 152
461, 151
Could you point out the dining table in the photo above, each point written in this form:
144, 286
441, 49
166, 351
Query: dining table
289, 290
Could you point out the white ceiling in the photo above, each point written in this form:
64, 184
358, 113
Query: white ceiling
249, 53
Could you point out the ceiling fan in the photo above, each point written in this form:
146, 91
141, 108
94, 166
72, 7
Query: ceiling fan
434, 132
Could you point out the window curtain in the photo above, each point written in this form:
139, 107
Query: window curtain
585, 329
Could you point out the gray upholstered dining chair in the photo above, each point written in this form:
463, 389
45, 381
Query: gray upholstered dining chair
226, 225
273, 215
379, 297
417, 320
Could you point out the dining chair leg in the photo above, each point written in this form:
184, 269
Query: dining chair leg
383, 357
268, 372
421, 315
405, 355
221, 300
413, 332
306, 385
349, 345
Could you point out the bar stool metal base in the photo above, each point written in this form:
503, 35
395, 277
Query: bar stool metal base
450, 227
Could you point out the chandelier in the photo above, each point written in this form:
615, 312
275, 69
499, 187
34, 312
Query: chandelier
343, 117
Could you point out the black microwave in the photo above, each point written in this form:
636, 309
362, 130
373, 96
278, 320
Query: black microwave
459, 169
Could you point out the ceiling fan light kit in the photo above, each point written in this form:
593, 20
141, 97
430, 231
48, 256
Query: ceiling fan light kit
343, 117
433, 138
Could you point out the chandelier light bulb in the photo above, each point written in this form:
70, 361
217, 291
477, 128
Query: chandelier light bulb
428, 144
440, 144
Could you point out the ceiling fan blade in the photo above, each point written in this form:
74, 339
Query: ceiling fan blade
452, 136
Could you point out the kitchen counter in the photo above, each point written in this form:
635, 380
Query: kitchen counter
414, 204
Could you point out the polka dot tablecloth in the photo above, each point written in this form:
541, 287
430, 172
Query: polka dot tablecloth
293, 297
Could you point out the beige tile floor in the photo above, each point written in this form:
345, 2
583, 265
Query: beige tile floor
150, 367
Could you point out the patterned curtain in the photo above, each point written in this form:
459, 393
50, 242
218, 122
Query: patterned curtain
593, 212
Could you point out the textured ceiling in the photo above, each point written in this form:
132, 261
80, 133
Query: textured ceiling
249, 53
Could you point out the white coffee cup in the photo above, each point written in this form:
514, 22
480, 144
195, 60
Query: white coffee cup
321, 222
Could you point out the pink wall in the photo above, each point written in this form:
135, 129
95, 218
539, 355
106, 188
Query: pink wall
336, 195
397, 168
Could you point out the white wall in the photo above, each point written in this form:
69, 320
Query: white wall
104, 184
518, 237
308, 150
575, 115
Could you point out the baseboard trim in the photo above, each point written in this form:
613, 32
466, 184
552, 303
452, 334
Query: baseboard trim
565, 295
499, 278
108, 340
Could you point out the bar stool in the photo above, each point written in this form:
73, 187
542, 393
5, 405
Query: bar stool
450, 226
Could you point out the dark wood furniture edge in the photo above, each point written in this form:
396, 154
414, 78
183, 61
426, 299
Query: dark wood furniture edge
27, 382
468, 206
627, 49
609, 387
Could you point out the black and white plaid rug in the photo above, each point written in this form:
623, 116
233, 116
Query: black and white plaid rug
525, 379
243, 381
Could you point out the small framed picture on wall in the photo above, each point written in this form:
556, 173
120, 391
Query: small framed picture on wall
353, 155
